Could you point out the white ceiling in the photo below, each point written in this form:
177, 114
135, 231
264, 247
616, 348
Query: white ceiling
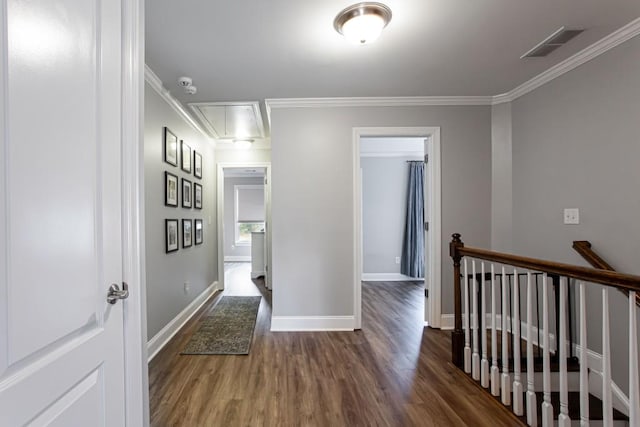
248, 50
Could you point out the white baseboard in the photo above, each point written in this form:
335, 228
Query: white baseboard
237, 258
388, 277
447, 322
594, 363
312, 323
161, 339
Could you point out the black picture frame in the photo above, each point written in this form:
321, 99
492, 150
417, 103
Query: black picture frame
185, 165
197, 195
187, 233
170, 189
197, 164
170, 147
186, 193
171, 235
198, 231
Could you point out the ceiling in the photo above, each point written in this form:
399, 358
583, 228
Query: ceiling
249, 50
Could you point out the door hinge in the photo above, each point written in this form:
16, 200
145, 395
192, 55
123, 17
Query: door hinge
426, 293
426, 226
426, 158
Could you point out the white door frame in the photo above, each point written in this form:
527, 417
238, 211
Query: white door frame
133, 222
220, 214
433, 280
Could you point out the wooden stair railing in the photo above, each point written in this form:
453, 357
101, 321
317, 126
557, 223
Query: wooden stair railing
516, 383
583, 247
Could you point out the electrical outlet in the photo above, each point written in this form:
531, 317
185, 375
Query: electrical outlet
397, 260
572, 216
186, 287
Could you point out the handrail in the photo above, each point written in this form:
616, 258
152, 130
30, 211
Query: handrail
458, 250
605, 277
583, 247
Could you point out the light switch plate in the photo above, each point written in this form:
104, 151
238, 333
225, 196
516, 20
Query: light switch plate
572, 216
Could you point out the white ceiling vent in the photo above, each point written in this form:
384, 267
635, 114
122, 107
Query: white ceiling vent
551, 43
230, 120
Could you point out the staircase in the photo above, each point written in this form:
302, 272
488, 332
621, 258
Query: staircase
514, 338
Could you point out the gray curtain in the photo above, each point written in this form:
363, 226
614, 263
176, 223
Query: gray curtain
412, 264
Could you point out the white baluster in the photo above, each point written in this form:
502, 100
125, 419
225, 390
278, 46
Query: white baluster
634, 387
505, 384
475, 364
584, 367
607, 407
532, 410
467, 318
563, 417
495, 371
484, 364
518, 408
547, 408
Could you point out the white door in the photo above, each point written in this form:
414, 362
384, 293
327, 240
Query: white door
427, 210
61, 343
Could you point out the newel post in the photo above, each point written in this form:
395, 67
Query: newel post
457, 336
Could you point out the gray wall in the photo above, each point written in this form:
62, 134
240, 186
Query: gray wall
312, 200
166, 273
576, 144
230, 249
384, 206
501, 178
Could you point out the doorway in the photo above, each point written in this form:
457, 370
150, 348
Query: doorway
430, 137
243, 219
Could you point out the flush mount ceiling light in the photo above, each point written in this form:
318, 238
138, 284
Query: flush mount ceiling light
243, 143
362, 23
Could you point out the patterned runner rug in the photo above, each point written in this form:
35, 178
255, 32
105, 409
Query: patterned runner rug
227, 329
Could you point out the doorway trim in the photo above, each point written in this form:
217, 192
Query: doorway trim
220, 214
133, 214
433, 280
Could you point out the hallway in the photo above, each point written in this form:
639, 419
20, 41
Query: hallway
393, 372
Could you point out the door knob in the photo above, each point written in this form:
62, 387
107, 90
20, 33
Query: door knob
115, 293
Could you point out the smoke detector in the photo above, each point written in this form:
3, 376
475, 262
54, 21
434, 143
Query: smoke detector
187, 84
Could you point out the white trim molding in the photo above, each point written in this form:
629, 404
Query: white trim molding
380, 101
237, 258
156, 84
431, 137
603, 45
389, 277
161, 339
312, 323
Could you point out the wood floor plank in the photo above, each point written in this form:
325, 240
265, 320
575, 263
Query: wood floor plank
394, 372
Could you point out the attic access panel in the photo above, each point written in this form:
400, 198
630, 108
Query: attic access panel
231, 120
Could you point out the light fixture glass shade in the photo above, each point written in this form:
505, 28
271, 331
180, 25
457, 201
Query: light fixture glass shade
363, 29
362, 23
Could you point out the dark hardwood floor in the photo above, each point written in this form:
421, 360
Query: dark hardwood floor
394, 372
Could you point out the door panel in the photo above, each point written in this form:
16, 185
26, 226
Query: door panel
61, 343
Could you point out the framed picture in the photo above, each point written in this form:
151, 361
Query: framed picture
197, 224
170, 189
186, 233
186, 157
171, 235
197, 164
186, 193
170, 147
197, 195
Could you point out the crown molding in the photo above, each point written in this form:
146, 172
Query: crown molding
384, 101
603, 45
156, 84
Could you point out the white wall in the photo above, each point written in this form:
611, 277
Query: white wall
576, 144
230, 249
312, 200
166, 273
384, 207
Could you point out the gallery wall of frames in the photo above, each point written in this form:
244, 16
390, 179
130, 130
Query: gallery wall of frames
182, 192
